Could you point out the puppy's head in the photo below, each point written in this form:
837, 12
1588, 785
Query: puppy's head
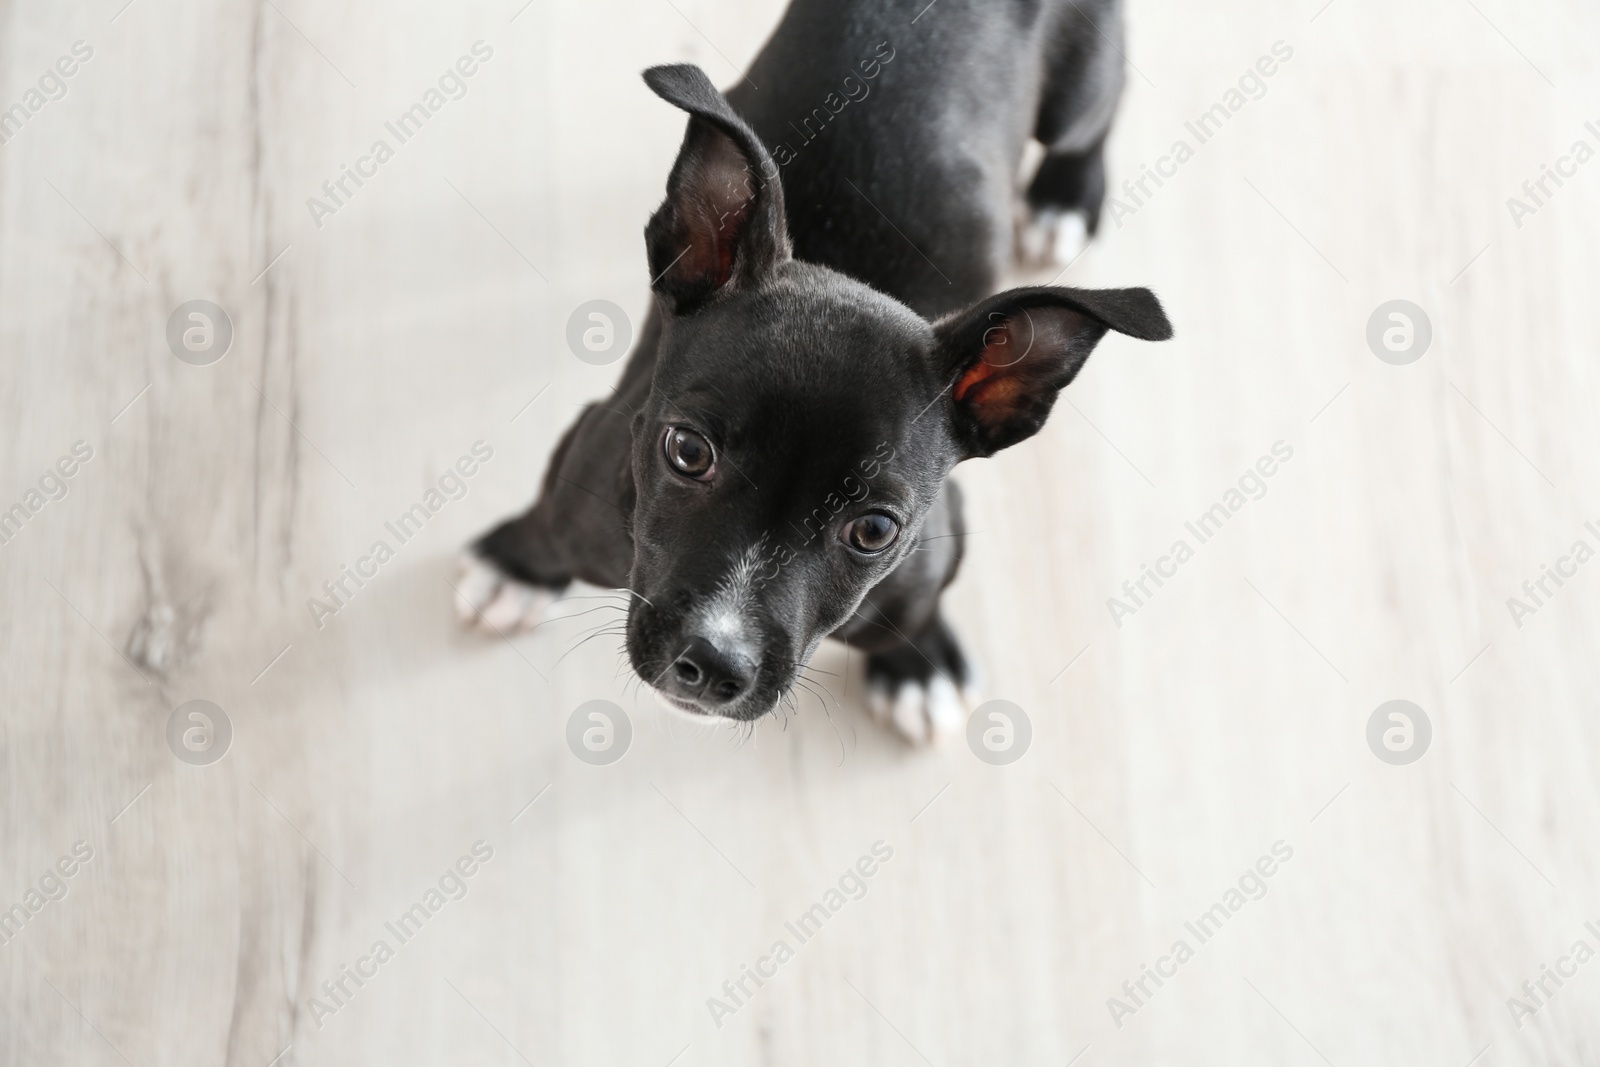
800, 423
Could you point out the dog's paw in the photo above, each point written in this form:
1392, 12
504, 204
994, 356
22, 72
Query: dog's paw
491, 601
1050, 238
921, 712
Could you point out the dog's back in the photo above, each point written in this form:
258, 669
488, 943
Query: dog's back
898, 128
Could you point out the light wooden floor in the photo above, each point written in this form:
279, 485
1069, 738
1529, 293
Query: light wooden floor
1226, 715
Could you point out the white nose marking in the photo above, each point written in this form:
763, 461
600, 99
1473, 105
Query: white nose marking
722, 617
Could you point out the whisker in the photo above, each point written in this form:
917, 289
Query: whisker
818, 670
613, 627
813, 685
843, 753
807, 687
603, 631
580, 614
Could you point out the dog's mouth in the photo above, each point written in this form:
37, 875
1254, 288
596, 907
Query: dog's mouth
687, 706
700, 713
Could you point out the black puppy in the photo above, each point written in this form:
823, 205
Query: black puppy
771, 469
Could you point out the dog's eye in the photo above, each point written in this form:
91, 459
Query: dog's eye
872, 533
688, 452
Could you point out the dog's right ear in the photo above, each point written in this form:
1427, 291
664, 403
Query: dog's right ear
1007, 358
722, 224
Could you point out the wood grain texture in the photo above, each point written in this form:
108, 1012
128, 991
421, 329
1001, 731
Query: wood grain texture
1169, 753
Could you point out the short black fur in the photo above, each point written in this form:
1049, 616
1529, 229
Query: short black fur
792, 333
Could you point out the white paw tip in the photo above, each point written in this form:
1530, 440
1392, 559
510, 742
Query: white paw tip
1053, 238
944, 708
499, 604
910, 714
507, 608
475, 583
880, 702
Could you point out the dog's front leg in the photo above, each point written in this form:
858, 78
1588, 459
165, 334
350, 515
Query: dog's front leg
577, 528
918, 678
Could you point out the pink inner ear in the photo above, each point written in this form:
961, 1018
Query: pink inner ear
1000, 354
1019, 356
724, 196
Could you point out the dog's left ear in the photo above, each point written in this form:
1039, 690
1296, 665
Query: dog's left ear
722, 224
1008, 357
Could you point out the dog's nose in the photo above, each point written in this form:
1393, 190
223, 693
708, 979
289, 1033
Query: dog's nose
705, 673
